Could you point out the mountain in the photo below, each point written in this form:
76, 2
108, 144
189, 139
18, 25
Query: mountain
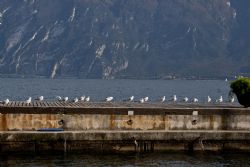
240, 37
124, 38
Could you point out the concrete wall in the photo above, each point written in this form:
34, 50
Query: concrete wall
123, 141
28, 121
79, 122
119, 129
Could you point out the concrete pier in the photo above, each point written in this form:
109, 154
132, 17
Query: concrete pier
119, 127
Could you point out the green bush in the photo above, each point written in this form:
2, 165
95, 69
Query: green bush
241, 88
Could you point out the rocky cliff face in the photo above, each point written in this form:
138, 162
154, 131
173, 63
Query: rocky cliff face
238, 47
123, 38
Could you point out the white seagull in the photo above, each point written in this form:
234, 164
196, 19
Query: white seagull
40, 98
185, 99
174, 98
65, 99
75, 100
195, 100
131, 98
59, 98
6, 101
220, 100
87, 99
109, 99
29, 100
82, 98
146, 99
209, 99
163, 99
142, 100
231, 99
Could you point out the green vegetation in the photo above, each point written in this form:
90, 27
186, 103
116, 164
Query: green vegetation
241, 88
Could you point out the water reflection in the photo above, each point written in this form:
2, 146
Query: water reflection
127, 160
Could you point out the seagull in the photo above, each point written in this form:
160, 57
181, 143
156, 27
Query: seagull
6, 101
142, 100
163, 99
220, 100
65, 99
209, 99
87, 99
131, 98
109, 99
231, 99
82, 98
146, 99
40, 98
195, 100
59, 98
185, 99
29, 100
174, 98
75, 100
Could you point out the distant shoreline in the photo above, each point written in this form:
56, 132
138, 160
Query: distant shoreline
119, 78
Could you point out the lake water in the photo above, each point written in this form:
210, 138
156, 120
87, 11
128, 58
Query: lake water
20, 89
128, 160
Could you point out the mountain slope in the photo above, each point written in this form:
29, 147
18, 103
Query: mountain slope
121, 38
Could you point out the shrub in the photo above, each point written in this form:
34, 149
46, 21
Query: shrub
241, 88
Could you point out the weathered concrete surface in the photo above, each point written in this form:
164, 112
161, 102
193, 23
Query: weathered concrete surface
123, 122
28, 121
124, 141
130, 127
181, 135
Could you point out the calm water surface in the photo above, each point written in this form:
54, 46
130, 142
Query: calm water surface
20, 89
129, 160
